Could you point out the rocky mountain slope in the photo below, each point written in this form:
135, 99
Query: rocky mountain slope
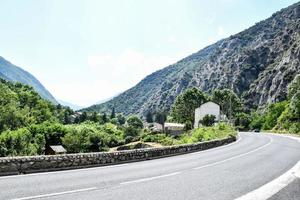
13, 73
258, 63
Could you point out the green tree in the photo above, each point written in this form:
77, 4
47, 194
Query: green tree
272, 114
113, 113
229, 102
104, 118
161, 117
121, 119
149, 117
95, 117
135, 122
257, 120
208, 120
83, 117
242, 121
183, 110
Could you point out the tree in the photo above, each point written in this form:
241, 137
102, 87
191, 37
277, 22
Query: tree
242, 121
113, 113
272, 114
121, 119
161, 118
149, 117
208, 120
183, 110
229, 102
104, 119
94, 117
135, 122
83, 117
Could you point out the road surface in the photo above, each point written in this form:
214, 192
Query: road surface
223, 173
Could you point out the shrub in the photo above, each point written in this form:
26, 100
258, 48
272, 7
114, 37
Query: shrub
208, 120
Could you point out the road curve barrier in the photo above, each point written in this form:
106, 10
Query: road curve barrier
45, 163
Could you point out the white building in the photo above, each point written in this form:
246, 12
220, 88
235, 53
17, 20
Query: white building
209, 108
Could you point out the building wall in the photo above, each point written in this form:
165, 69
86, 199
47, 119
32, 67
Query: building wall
208, 108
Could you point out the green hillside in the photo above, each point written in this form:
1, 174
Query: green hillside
10, 72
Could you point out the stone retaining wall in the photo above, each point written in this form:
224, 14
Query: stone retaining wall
30, 164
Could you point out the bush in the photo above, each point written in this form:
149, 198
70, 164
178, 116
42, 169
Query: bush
18, 143
208, 120
221, 130
135, 122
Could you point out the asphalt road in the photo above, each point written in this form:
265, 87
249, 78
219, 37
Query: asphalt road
226, 172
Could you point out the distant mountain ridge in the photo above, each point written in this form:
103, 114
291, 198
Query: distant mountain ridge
71, 105
11, 72
258, 62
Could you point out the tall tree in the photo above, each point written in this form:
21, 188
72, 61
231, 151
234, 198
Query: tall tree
183, 110
229, 102
135, 122
149, 117
113, 113
161, 118
104, 118
121, 119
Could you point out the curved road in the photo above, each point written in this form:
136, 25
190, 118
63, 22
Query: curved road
226, 172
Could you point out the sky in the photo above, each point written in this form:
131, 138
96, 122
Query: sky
84, 51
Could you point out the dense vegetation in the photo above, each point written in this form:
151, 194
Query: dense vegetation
10, 72
29, 124
281, 116
221, 130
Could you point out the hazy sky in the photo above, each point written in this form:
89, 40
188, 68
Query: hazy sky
85, 51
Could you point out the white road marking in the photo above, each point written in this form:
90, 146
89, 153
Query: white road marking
268, 190
219, 147
234, 157
150, 178
55, 194
63, 171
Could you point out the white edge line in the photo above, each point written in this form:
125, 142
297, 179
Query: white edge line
63, 171
268, 190
150, 178
237, 156
219, 147
55, 194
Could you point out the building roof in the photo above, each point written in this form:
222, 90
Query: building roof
174, 125
210, 102
58, 149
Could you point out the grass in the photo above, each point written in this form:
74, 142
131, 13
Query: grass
202, 134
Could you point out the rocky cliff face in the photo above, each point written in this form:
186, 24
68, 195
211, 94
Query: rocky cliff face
257, 63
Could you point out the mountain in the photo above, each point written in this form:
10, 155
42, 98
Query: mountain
258, 63
73, 106
11, 72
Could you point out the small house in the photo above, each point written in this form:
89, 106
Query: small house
209, 108
55, 149
174, 129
